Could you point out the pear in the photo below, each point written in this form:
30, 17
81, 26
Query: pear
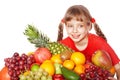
102, 59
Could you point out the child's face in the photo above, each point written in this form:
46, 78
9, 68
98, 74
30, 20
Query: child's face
77, 30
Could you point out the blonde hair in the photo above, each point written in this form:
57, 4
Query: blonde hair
77, 11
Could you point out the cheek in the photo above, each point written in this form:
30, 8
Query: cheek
83, 30
69, 30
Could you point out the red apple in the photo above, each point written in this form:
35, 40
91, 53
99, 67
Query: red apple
102, 59
42, 54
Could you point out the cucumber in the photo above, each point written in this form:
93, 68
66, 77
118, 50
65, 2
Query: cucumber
69, 74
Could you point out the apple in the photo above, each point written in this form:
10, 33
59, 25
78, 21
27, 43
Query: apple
42, 54
102, 59
35, 67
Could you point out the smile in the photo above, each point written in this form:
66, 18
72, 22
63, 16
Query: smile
75, 36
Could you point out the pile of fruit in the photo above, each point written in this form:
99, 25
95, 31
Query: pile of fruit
55, 61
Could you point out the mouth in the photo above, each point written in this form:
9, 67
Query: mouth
75, 36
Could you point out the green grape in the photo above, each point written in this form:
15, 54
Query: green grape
49, 77
35, 72
28, 77
31, 74
22, 77
43, 77
39, 74
40, 70
45, 73
36, 77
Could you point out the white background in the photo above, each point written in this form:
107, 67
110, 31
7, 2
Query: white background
15, 15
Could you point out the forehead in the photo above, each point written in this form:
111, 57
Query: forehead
75, 21
80, 19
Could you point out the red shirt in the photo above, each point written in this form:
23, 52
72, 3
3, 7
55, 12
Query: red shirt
94, 43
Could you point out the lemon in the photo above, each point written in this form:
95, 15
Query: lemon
69, 64
48, 66
78, 58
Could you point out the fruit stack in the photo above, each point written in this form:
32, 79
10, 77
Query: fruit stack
54, 61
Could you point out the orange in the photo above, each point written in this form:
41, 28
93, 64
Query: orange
48, 66
112, 70
4, 74
56, 58
69, 64
78, 58
79, 69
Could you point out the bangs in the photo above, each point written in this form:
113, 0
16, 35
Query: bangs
80, 18
69, 17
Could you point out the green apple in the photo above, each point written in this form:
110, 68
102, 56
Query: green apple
35, 67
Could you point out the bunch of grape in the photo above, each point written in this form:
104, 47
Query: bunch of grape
18, 64
40, 74
95, 73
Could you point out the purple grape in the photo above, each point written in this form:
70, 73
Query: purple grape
16, 54
18, 64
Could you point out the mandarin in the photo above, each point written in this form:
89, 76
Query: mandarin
79, 69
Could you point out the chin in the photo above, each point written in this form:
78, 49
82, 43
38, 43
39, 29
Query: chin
76, 40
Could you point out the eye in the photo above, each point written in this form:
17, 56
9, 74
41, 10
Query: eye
80, 26
69, 26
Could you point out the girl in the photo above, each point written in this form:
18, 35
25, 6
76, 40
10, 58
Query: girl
79, 22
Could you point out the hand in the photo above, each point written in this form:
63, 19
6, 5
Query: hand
117, 68
112, 78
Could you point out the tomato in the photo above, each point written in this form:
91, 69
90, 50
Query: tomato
42, 54
4, 74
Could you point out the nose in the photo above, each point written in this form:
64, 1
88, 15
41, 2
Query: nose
74, 29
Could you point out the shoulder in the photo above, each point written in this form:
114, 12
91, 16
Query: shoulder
96, 41
66, 40
69, 43
95, 37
